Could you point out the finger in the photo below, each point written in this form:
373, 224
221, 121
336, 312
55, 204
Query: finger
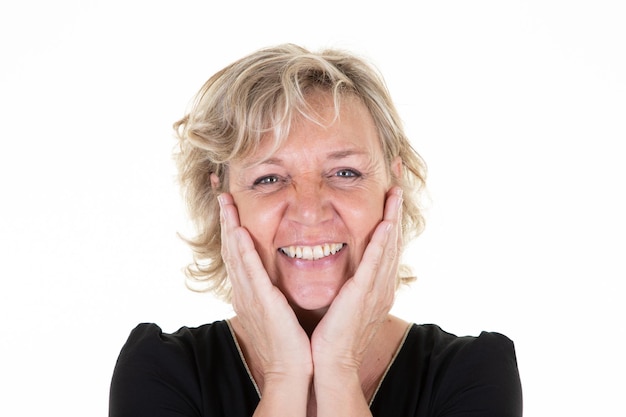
228, 212
229, 221
383, 244
378, 271
251, 264
373, 257
231, 252
243, 263
393, 204
393, 213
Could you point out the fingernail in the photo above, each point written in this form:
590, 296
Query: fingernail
220, 201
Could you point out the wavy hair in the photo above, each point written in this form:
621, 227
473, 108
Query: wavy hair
258, 97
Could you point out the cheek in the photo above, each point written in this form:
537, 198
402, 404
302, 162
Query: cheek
260, 218
362, 215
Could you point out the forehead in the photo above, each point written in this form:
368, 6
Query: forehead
323, 131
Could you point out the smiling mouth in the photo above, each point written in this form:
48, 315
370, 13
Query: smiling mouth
312, 253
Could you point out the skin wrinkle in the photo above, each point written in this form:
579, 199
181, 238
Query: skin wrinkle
309, 204
309, 155
252, 172
230, 116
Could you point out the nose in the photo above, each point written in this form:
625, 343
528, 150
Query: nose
308, 203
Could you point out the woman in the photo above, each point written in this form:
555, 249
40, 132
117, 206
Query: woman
304, 187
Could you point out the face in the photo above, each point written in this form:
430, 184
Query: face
312, 206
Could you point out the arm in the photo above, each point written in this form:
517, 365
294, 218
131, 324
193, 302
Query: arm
344, 334
286, 356
281, 346
284, 396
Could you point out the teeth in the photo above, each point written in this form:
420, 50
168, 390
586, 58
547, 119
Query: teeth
310, 253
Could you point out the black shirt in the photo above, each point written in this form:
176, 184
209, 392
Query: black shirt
200, 372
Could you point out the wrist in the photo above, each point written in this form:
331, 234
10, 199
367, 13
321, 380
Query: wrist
336, 377
337, 364
339, 392
283, 394
282, 379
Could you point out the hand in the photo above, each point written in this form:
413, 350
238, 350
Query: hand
280, 344
342, 337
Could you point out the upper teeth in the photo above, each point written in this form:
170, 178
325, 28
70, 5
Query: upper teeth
310, 253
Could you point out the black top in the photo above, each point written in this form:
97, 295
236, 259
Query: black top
200, 372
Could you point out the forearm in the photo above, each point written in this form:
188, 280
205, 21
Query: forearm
339, 394
283, 396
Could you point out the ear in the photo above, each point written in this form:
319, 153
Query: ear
396, 169
215, 181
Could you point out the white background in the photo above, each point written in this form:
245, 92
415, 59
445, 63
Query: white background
518, 107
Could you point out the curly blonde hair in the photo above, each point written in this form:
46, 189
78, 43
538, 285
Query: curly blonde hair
261, 94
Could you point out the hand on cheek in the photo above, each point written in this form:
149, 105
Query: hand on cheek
279, 341
362, 305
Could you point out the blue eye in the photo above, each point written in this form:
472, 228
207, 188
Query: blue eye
270, 179
347, 173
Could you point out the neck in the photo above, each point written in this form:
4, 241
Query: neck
309, 319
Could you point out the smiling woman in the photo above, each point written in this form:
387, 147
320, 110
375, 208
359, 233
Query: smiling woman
324, 187
245, 112
304, 190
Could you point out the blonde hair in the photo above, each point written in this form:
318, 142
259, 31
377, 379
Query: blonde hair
261, 94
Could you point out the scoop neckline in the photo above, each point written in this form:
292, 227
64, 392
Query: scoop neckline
380, 382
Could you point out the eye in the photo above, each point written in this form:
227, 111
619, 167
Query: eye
347, 173
267, 180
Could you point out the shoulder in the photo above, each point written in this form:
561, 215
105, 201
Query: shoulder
185, 350
445, 347
149, 342
464, 375
157, 369
477, 374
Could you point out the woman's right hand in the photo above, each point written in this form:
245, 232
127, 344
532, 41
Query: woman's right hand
280, 344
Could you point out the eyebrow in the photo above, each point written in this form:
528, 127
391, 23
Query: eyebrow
346, 153
332, 155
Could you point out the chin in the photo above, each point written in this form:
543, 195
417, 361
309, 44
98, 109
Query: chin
311, 286
312, 299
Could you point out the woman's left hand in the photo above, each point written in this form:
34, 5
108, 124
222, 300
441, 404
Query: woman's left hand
340, 340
